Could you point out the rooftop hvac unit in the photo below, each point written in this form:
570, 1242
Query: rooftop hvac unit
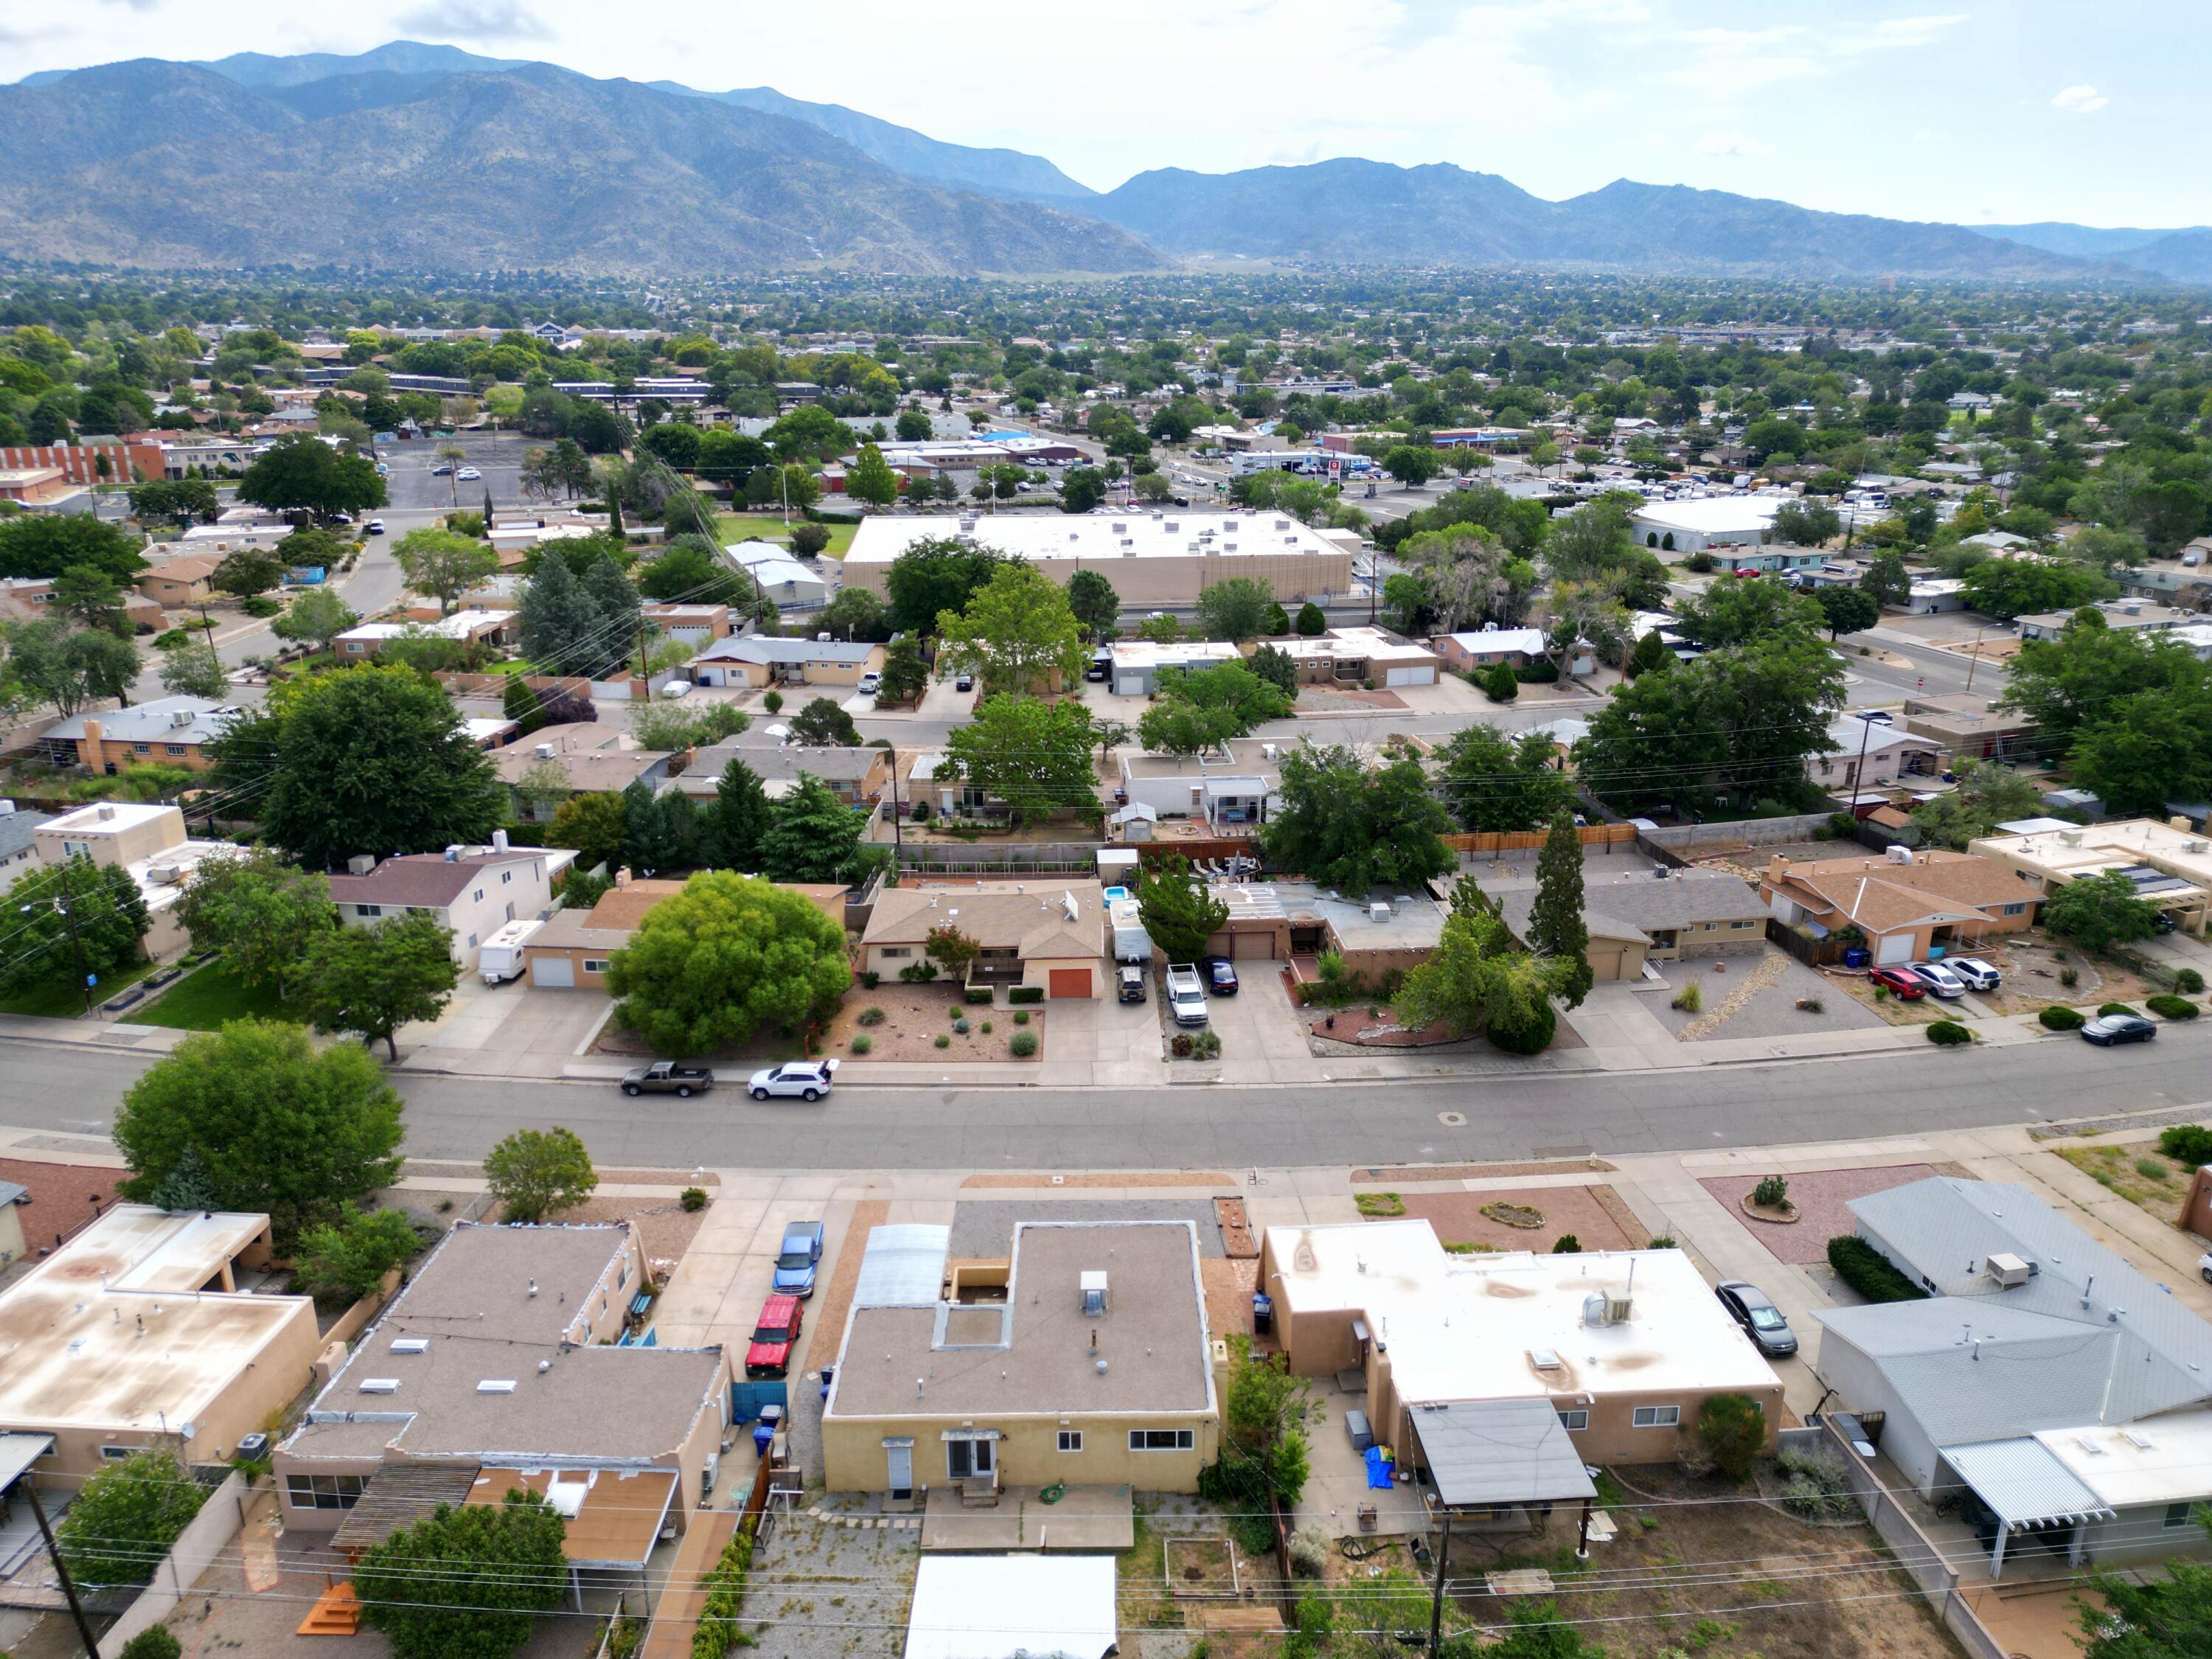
2199, 848
379, 1385
2008, 1271
361, 864
181, 717
1267, 750
1091, 1287
1379, 910
167, 874
545, 751
1605, 1308
410, 1344
1901, 854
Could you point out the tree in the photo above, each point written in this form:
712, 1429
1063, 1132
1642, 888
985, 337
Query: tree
1355, 827
1477, 978
1410, 464
1886, 581
247, 574
951, 949
692, 572
125, 1517
181, 499
592, 824
262, 914
535, 1173
1807, 523
1313, 621
1033, 756
1095, 603
42, 545
1202, 708
1162, 629
813, 837
870, 478
1278, 668
2098, 912
193, 670
1591, 542
1987, 795
1847, 610
68, 667
857, 616
729, 957
1732, 1429
823, 724
1082, 489
1494, 781
934, 575
1408, 603
366, 760
1235, 610
462, 1584
442, 566
905, 674
279, 1126
372, 980
559, 626
2168, 1617
2006, 588
1178, 913
1556, 928
1500, 684
810, 541
315, 618
90, 598
103, 901
345, 1259
740, 819
1018, 633
1739, 613
303, 473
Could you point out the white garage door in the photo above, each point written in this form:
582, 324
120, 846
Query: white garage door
1898, 947
1131, 686
558, 973
1422, 676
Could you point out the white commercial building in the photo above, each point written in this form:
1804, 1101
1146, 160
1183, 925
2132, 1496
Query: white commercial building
1694, 526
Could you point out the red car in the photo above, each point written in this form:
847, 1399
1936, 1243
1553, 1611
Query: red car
775, 1332
1903, 981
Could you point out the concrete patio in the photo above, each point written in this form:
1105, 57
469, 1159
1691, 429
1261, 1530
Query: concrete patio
1082, 1518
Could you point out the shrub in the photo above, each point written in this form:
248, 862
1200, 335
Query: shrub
155, 1642
1772, 1193
870, 1016
1542, 672
869, 979
1022, 1044
976, 993
2171, 1008
943, 1040
1868, 1271
1732, 1429
1811, 1006
259, 606
1663, 1242
1566, 1244
170, 640
693, 1199
2069, 978
773, 702
1181, 1045
985, 1027
919, 973
960, 1027
1818, 1489
1020, 994
1530, 1037
1308, 1558
2111, 1008
2188, 983
1843, 825
1690, 998
1948, 1034
2059, 1017
862, 1043
2186, 1143
1021, 1016
1500, 684
1206, 1045
717, 1631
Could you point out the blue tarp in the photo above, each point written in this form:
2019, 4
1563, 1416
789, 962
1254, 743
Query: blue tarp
1379, 1468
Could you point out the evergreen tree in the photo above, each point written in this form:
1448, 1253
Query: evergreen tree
647, 848
740, 819
682, 835
614, 613
521, 705
1555, 921
1179, 913
813, 836
187, 1185
555, 619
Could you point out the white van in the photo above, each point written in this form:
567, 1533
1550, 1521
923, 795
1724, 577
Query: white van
500, 959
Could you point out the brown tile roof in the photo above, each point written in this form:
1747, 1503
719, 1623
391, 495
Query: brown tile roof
1879, 895
423, 879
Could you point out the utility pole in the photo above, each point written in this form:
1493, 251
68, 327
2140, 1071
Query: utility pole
61, 1573
898, 819
1436, 1606
1974, 661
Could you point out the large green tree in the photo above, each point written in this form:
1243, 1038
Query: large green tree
315, 618
1034, 756
260, 911
724, 959
1492, 780
1357, 827
1234, 609
345, 1259
536, 1173
592, 824
1477, 978
304, 474
823, 724
366, 760
1200, 709
50, 662
2140, 1617
44, 544
2098, 912
870, 478
62, 914
740, 820
1987, 795
1178, 913
1095, 603
463, 1583
936, 574
2006, 588
442, 566
123, 1519
1016, 633
275, 1124
1555, 927
371, 981
813, 835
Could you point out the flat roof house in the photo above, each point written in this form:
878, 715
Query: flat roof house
147, 839
858, 777
1967, 725
1134, 665
465, 627
1624, 1347
2067, 1396
1296, 922
1903, 903
1040, 931
784, 582
1083, 1357
2169, 863
134, 1334
1486, 648
758, 659
472, 891
166, 731
1361, 656
1231, 789
498, 1366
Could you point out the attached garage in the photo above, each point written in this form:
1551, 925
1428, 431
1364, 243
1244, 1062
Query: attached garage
1253, 946
554, 972
1893, 948
1068, 982
1423, 674
1131, 686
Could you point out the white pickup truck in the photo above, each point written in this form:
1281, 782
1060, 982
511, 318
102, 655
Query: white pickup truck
1186, 994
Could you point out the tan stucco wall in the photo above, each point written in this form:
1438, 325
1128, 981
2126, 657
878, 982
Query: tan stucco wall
1028, 1453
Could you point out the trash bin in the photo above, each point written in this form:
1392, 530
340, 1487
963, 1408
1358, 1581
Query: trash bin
1857, 957
1263, 1314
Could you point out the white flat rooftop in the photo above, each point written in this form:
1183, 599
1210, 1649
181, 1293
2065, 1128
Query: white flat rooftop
1094, 537
1714, 516
2158, 1459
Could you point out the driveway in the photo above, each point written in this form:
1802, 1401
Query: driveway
1262, 1038
1100, 1042
511, 1030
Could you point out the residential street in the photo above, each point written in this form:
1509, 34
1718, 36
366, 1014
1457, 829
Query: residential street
73, 1088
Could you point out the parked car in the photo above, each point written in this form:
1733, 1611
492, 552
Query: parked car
375, 526
1221, 976
2109, 1030
1131, 980
441, 469
965, 683
775, 1332
2204, 1267
809, 1079
666, 1077
1902, 981
1874, 716
870, 684
796, 1262
339, 517
1976, 972
469, 473
1940, 980
1761, 1320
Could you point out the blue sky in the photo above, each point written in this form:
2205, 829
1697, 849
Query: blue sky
1974, 111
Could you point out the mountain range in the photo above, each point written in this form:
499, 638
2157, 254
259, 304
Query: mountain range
424, 156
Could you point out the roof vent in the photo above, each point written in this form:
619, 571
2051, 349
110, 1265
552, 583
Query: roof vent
1545, 1359
379, 1385
496, 1385
411, 1344
2138, 1439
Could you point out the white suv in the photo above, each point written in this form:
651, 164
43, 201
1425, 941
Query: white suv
1976, 972
808, 1079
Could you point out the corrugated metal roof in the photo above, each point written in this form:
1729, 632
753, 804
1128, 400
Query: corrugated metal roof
903, 1267
1484, 1453
2023, 1483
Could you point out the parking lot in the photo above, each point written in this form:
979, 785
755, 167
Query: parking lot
498, 456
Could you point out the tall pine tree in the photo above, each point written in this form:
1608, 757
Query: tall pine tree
740, 820
556, 620
614, 608
1555, 923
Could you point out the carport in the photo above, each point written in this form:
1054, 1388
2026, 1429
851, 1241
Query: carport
2023, 1491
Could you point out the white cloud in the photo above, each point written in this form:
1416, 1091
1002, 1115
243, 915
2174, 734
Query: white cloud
476, 20
1912, 31
2079, 101
1730, 144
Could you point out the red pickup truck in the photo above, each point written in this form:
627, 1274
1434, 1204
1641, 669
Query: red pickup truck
775, 1332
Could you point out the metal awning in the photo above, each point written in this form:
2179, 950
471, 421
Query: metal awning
1483, 1454
2023, 1484
903, 1267
18, 1452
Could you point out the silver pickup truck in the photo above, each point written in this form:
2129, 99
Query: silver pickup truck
1186, 994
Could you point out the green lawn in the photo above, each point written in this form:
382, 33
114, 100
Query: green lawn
770, 527
60, 999
205, 1000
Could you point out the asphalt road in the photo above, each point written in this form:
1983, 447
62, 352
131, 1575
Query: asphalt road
74, 1089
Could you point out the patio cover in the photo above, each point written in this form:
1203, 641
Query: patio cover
903, 1267
18, 1452
1485, 1453
2024, 1485
993, 1606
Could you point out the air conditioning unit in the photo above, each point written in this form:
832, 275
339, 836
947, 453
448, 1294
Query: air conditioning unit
168, 875
2008, 1271
544, 752
1379, 910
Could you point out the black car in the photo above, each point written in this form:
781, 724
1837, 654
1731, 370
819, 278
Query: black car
1221, 976
1761, 1320
2108, 1031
